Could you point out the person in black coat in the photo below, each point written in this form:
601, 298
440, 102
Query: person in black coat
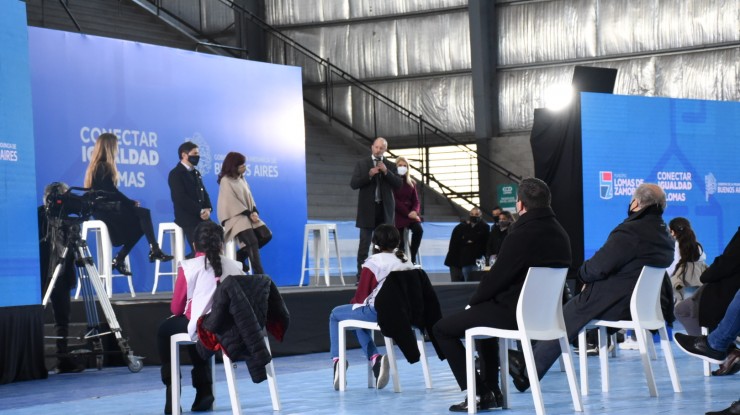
375, 177
189, 197
610, 275
127, 224
467, 244
536, 240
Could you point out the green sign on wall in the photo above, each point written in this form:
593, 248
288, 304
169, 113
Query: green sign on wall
507, 196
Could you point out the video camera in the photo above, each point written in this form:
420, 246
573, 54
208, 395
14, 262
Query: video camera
77, 203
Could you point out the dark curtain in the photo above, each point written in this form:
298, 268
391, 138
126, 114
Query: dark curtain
556, 147
22, 344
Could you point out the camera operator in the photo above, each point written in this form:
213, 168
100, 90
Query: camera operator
53, 237
131, 221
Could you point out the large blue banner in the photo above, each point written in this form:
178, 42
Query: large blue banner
19, 251
688, 147
154, 98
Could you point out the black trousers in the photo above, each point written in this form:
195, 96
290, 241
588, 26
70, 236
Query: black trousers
366, 236
143, 218
201, 372
451, 329
416, 232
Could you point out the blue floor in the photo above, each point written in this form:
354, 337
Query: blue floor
305, 385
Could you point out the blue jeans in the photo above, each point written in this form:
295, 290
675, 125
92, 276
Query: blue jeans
365, 337
728, 329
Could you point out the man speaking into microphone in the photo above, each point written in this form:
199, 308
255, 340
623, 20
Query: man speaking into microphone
375, 177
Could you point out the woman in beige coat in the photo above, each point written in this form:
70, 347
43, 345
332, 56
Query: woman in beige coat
237, 211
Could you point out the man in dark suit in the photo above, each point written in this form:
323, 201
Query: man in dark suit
467, 244
189, 196
609, 276
375, 177
536, 240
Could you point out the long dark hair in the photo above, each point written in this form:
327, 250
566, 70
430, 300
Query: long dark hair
209, 237
386, 239
688, 247
230, 168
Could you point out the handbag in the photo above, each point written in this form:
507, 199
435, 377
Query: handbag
263, 234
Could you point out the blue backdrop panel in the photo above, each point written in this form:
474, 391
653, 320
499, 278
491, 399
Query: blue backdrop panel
19, 252
154, 98
688, 147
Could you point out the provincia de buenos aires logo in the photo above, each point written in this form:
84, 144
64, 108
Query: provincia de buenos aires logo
8, 152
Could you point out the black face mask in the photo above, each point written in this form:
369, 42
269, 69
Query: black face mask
495, 219
629, 208
474, 219
193, 160
504, 224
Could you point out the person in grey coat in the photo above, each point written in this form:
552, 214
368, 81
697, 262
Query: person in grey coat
609, 276
375, 177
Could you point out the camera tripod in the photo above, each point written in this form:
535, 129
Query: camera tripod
92, 285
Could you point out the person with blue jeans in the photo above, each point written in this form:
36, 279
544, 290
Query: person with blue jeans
386, 258
715, 347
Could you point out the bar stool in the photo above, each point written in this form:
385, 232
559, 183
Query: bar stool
181, 339
230, 248
320, 233
177, 247
104, 256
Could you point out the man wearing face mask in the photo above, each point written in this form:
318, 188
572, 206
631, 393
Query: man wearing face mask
467, 244
609, 276
499, 230
189, 195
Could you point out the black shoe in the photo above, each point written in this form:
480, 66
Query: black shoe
697, 346
66, 365
120, 266
156, 254
381, 371
487, 401
168, 401
734, 409
203, 400
730, 366
518, 370
336, 374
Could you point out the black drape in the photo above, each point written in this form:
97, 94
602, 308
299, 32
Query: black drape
22, 344
557, 151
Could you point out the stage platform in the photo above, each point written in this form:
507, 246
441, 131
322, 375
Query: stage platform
309, 308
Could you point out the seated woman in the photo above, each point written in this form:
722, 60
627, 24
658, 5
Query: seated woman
196, 282
688, 260
407, 210
127, 224
386, 258
237, 211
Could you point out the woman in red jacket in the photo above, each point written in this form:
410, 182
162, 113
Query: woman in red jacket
407, 210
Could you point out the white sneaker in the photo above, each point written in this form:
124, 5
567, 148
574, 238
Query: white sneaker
629, 344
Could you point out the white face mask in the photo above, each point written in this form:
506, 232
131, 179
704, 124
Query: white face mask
402, 170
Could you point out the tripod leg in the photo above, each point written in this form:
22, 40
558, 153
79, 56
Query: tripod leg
54, 277
135, 362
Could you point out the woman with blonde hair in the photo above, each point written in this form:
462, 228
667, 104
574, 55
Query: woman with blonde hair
128, 223
407, 209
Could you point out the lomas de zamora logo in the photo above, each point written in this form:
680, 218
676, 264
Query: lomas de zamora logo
206, 157
606, 185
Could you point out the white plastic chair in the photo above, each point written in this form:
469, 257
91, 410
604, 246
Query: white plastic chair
104, 257
539, 316
177, 246
646, 315
177, 340
358, 324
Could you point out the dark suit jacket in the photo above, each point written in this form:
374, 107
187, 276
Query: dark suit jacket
721, 281
536, 240
611, 274
366, 198
188, 195
467, 243
407, 300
